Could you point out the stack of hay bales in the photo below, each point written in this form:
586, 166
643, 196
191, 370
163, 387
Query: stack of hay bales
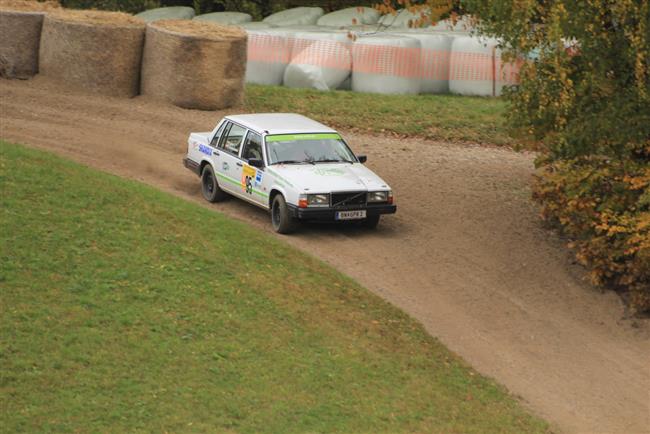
225, 18
95, 51
167, 13
194, 64
20, 26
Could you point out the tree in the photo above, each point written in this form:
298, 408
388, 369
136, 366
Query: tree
585, 88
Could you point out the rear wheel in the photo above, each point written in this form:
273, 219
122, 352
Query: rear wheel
371, 222
210, 187
282, 221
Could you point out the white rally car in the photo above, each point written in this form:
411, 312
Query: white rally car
295, 167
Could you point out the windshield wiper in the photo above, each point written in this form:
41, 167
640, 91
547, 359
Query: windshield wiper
289, 162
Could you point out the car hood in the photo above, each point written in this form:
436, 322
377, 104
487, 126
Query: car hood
329, 177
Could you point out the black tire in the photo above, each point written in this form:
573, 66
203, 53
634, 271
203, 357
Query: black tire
210, 187
281, 219
371, 222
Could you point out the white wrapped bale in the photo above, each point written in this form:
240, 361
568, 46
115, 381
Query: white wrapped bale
464, 24
404, 18
350, 17
168, 13
507, 73
295, 17
268, 54
225, 18
303, 39
254, 25
386, 64
472, 66
434, 60
320, 60
346, 85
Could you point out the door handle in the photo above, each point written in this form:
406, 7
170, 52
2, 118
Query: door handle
216, 153
239, 164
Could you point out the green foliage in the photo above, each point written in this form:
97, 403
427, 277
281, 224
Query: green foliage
130, 6
584, 94
125, 309
258, 9
586, 86
603, 205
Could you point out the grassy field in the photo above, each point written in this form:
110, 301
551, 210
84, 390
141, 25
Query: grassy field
126, 309
439, 117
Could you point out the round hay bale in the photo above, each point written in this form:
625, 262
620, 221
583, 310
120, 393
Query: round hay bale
194, 64
167, 13
20, 26
95, 51
225, 18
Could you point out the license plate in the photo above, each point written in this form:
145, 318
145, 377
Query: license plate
350, 215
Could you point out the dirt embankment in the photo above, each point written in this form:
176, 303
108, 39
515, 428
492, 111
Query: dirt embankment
465, 255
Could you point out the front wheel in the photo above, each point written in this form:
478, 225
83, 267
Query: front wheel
210, 187
282, 221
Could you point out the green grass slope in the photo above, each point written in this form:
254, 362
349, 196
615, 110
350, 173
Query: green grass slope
126, 309
438, 117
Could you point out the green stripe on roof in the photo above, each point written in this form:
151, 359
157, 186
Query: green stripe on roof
291, 137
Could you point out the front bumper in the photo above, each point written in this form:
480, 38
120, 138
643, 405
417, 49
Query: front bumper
328, 214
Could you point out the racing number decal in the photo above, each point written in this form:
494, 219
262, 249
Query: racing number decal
248, 175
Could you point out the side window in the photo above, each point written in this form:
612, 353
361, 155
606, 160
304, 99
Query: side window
217, 135
233, 139
252, 147
222, 138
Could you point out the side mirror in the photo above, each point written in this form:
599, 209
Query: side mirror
256, 162
362, 158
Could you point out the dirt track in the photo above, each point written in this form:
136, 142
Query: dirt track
465, 255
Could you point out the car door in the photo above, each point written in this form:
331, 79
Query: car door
253, 177
229, 171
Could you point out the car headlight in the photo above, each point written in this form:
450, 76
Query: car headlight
315, 199
378, 196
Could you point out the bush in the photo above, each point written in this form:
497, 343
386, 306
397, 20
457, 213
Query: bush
130, 6
603, 206
584, 97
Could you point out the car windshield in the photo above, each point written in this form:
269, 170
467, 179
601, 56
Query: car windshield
307, 148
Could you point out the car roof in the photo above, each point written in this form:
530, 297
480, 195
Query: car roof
280, 123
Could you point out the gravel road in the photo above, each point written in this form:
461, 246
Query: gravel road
466, 254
